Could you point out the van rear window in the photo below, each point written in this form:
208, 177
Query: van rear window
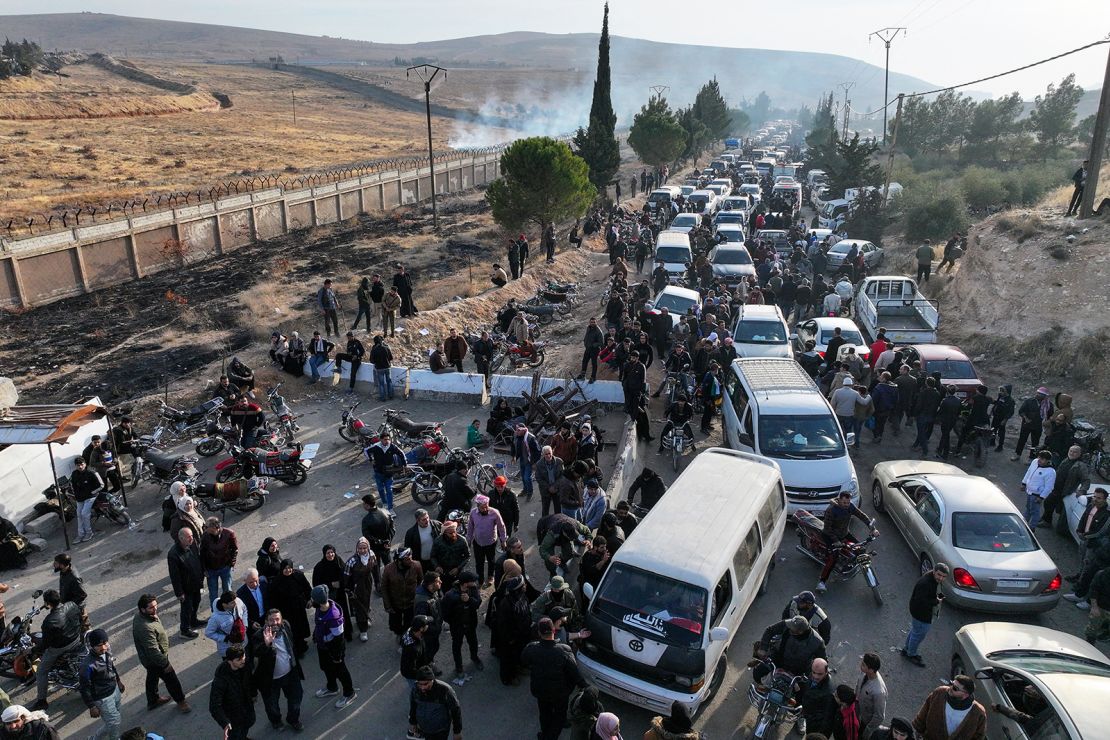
652, 606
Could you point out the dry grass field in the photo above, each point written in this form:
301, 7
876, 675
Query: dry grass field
83, 161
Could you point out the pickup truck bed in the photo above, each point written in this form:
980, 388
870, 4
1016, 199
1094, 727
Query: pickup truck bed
903, 322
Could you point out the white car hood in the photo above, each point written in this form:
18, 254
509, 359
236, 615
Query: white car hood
837, 471
763, 350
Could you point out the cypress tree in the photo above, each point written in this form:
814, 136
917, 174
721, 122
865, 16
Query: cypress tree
598, 144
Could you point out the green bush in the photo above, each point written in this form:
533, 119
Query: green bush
982, 187
934, 211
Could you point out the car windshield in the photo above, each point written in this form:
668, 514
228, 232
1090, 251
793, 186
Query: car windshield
730, 217
685, 219
1042, 661
951, 369
851, 336
672, 254
652, 606
660, 197
734, 236
732, 257
700, 200
676, 304
991, 532
800, 437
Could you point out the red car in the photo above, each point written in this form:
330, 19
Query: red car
954, 366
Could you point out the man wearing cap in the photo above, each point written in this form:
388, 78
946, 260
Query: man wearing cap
61, 635
503, 498
22, 724
100, 685
354, 354
434, 711
525, 452
899, 729
450, 553
797, 646
331, 648
950, 712
486, 530
559, 532
399, 581
557, 593
1033, 412
554, 676
421, 536
460, 611
595, 503
153, 648
805, 604
414, 654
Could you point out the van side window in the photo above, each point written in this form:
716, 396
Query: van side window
769, 513
746, 555
736, 394
722, 597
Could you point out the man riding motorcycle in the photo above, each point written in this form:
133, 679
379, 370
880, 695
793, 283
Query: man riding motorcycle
791, 645
835, 530
805, 604
678, 414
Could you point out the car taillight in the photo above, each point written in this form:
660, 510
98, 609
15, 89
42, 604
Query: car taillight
865, 355
963, 579
1054, 585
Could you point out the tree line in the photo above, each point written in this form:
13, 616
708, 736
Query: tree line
19, 58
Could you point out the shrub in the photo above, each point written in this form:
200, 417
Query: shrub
983, 187
934, 211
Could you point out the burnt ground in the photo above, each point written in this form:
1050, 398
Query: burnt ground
129, 340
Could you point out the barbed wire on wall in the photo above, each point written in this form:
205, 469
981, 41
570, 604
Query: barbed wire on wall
44, 222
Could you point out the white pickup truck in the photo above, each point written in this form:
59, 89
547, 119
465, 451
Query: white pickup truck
894, 303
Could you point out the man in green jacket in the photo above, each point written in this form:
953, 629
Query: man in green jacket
925, 257
153, 646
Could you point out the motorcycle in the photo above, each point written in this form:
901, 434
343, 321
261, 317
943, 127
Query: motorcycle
154, 465
21, 649
407, 433
426, 479
776, 702
219, 436
197, 418
290, 465
107, 505
286, 419
853, 557
242, 496
531, 355
678, 443
1094, 452
353, 429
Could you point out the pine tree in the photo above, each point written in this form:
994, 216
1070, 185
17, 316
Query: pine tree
656, 135
711, 110
598, 143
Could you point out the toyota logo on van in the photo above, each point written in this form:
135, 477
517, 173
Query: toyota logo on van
636, 646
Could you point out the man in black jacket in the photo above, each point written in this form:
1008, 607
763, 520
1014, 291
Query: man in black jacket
278, 670
414, 653
634, 383
319, 349
186, 577
948, 413
403, 283
231, 701
421, 536
592, 343
1079, 179
978, 416
925, 414
61, 634
382, 359
1073, 476
86, 485
650, 487
1001, 412
460, 611
100, 685
387, 459
71, 585
482, 350
354, 354
554, 676
378, 527
434, 711
255, 595
923, 604
1033, 412
818, 703
791, 644
457, 493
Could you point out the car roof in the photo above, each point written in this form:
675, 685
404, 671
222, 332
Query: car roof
968, 492
828, 323
759, 312
850, 242
692, 295
940, 352
992, 637
704, 193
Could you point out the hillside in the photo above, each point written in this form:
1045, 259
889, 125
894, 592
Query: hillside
790, 78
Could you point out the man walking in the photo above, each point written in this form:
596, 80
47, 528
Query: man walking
592, 343
871, 694
1079, 179
278, 670
924, 256
186, 577
332, 648
1037, 484
434, 712
548, 470
231, 699
460, 611
153, 648
100, 685
387, 459
525, 452
554, 675
328, 302
219, 550
924, 604
354, 354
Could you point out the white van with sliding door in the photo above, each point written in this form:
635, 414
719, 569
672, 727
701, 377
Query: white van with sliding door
773, 408
673, 597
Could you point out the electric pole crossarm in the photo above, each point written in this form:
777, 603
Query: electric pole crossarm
427, 73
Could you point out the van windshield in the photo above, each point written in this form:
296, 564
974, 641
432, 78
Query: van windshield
800, 437
663, 197
651, 605
673, 254
760, 332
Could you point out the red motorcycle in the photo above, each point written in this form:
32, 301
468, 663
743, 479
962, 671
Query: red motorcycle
290, 466
530, 354
853, 557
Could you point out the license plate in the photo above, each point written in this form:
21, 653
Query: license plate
310, 451
623, 695
1013, 583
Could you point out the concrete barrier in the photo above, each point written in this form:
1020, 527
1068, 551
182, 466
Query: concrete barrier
463, 387
511, 386
364, 381
627, 465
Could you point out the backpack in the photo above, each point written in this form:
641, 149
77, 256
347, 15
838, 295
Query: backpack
238, 632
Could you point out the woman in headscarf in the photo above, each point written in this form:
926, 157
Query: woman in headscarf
21, 724
290, 593
587, 443
329, 572
269, 559
607, 727
186, 516
514, 628
583, 711
678, 726
358, 582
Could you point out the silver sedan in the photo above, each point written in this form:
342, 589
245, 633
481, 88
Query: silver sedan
965, 521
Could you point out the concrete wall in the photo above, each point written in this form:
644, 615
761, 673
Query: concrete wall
45, 268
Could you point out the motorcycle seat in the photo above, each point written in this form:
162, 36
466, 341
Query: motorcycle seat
160, 459
413, 427
269, 458
806, 519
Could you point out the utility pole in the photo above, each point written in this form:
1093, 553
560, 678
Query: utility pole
846, 86
887, 35
658, 90
427, 73
890, 155
1098, 146
294, 93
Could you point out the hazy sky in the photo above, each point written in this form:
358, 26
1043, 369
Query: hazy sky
948, 41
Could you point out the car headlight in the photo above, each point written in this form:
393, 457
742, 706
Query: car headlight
851, 486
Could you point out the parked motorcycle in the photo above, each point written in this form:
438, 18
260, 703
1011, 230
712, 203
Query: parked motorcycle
287, 421
290, 465
107, 505
544, 314
407, 432
353, 429
183, 422
21, 649
853, 557
220, 435
426, 478
154, 465
242, 496
1094, 452
775, 702
518, 355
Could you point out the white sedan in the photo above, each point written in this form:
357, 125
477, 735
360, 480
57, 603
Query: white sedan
685, 222
821, 330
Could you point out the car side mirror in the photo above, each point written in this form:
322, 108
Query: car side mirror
985, 674
588, 590
793, 337
850, 438
718, 634
894, 484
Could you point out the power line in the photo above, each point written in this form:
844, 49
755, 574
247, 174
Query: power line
994, 77
945, 17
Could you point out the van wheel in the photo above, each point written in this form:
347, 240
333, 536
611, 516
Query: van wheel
766, 579
718, 678
877, 497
